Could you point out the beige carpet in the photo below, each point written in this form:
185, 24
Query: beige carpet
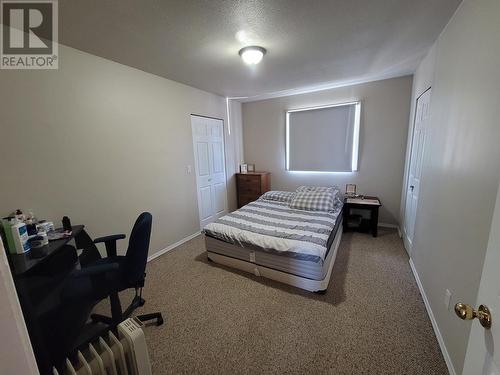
372, 320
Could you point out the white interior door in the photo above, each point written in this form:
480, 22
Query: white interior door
483, 350
210, 168
422, 114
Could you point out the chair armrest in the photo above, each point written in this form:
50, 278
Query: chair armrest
113, 237
95, 270
110, 242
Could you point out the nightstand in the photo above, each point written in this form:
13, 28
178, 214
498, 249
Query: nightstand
366, 203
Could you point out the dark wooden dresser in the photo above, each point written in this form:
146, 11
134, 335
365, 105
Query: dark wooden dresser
250, 186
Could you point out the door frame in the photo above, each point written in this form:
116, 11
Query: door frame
407, 244
194, 158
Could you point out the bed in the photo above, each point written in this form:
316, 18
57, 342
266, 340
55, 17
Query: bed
271, 239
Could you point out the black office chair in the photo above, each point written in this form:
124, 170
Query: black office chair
108, 276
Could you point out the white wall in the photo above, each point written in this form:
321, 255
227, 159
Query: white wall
101, 142
234, 149
384, 118
460, 171
16, 354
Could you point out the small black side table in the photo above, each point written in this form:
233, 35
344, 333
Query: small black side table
371, 204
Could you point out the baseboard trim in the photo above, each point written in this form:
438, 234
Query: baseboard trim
437, 332
406, 242
394, 226
173, 246
387, 225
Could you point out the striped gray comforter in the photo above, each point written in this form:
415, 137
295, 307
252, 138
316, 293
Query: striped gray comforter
275, 226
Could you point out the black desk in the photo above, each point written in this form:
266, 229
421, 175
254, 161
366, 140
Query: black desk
24, 263
38, 282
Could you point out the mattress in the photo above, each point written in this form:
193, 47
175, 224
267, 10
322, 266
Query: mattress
309, 268
274, 227
272, 235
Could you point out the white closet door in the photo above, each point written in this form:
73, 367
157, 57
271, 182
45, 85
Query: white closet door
208, 143
422, 115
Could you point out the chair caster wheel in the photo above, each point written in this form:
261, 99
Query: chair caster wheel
147, 317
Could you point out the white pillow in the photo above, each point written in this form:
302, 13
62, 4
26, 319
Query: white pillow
279, 196
333, 188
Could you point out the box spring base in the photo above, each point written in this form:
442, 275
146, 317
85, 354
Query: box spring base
310, 276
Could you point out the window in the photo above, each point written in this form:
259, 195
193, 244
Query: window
323, 139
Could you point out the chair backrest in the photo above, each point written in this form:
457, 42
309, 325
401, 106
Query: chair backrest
138, 247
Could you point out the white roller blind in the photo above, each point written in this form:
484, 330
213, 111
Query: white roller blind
323, 139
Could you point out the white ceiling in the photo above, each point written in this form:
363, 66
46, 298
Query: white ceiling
310, 43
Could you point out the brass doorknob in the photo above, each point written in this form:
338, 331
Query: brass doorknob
466, 312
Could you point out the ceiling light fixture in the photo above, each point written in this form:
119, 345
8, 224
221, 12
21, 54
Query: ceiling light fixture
252, 55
